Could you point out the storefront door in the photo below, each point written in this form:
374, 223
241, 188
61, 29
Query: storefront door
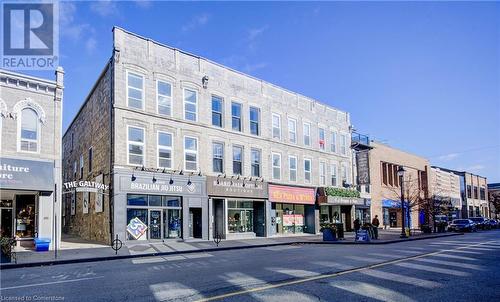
155, 221
195, 226
393, 219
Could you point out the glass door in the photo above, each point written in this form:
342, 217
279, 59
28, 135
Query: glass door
172, 223
155, 221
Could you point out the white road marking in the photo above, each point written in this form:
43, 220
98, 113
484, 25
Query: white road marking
49, 283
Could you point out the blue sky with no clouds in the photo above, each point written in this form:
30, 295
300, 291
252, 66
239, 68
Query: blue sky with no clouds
423, 77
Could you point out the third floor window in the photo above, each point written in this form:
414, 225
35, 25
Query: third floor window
135, 90
190, 105
217, 106
307, 134
292, 131
276, 126
254, 121
236, 116
164, 98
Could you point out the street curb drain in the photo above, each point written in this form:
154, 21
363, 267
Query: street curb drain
206, 250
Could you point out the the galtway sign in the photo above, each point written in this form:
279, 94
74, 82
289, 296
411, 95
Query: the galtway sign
85, 186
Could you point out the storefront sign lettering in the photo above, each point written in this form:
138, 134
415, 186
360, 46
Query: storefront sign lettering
363, 166
26, 174
85, 184
156, 187
291, 194
236, 188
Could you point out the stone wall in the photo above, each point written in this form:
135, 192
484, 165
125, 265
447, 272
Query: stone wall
90, 129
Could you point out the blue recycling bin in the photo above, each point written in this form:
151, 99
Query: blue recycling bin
42, 244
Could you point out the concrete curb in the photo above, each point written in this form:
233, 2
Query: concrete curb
120, 257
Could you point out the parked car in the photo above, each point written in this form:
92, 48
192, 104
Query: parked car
462, 225
492, 223
481, 223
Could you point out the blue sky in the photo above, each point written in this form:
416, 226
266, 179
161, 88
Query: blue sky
421, 76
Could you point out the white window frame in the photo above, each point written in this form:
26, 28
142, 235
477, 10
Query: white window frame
290, 157
322, 147
213, 156
322, 173
184, 103
259, 128
279, 125
306, 172
142, 90
273, 166
171, 97
221, 110
333, 144
308, 133
344, 168
159, 147
294, 122
343, 144
38, 132
192, 152
240, 117
242, 159
334, 172
143, 144
260, 162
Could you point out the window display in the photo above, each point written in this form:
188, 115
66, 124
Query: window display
25, 216
240, 216
289, 218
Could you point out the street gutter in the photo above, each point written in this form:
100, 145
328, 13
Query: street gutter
5, 266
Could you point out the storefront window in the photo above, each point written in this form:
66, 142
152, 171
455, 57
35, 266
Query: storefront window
240, 216
25, 216
289, 218
161, 214
330, 214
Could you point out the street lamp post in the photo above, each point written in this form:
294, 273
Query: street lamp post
401, 173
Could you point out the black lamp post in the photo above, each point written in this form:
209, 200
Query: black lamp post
401, 173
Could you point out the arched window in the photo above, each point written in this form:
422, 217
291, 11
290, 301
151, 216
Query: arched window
29, 132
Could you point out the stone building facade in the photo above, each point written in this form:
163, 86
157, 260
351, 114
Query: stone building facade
177, 121
386, 187
445, 187
30, 156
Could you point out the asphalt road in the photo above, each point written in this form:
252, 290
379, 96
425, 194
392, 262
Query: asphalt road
459, 268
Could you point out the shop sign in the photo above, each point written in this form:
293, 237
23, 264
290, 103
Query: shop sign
146, 185
217, 186
286, 194
85, 186
293, 219
26, 174
345, 201
363, 166
136, 228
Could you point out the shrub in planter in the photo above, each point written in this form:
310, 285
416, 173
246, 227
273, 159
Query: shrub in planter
329, 231
6, 249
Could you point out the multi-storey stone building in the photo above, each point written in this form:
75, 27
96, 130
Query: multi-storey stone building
193, 149
30, 157
385, 162
445, 191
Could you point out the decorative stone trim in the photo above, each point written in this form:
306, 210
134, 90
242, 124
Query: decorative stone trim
3, 109
29, 103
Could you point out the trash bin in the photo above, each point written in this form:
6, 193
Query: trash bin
329, 235
42, 244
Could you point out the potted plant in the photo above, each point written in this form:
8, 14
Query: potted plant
6, 249
329, 231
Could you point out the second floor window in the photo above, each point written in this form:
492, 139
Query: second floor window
333, 169
322, 173
292, 163
81, 166
29, 133
190, 153
237, 160
254, 121
276, 126
307, 134
236, 116
292, 131
75, 169
255, 157
321, 135
165, 150
164, 97
344, 170
91, 155
190, 105
469, 191
135, 146
217, 106
135, 90
218, 157
276, 166
307, 170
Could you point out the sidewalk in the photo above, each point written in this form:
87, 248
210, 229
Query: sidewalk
74, 250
